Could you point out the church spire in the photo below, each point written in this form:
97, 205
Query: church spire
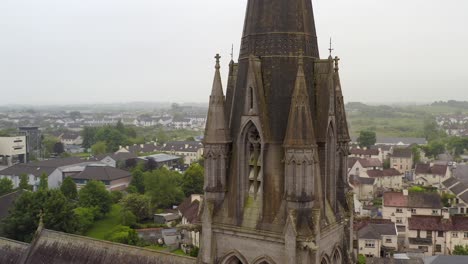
300, 130
269, 23
216, 125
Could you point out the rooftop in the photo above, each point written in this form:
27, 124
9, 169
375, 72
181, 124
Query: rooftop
101, 173
376, 231
402, 153
413, 200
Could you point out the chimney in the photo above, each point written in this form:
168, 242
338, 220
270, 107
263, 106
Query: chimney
405, 192
445, 213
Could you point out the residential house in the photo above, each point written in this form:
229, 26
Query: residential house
365, 153
114, 179
168, 219
189, 212
377, 240
52, 168
139, 148
387, 178
400, 206
402, 160
71, 138
438, 235
115, 160
431, 174
359, 166
191, 151
460, 190
384, 151
363, 187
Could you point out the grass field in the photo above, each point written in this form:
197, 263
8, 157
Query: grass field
103, 227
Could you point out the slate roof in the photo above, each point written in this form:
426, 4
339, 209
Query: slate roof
461, 173
19, 169
370, 162
459, 188
437, 169
189, 210
450, 182
70, 136
356, 180
437, 223
376, 231
396, 140
359, 151
119, 156
413, 200
162, 157
446, 259
6, 202
11, 251
383, 173
101, 173
402, 153
54, 247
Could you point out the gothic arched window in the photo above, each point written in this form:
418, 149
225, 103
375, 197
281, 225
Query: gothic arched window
252, 160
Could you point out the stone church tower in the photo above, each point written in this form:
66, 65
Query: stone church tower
276, 148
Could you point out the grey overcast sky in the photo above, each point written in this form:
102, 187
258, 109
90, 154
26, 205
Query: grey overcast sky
86, 51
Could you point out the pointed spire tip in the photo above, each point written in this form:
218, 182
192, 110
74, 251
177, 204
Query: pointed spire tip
217, 57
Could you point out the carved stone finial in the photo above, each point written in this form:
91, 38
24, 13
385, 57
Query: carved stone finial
217, 57
300, 61
336, 63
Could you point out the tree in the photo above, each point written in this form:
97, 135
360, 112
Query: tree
99, 147
151, 164
68, 188
193, 180
138, 204
127, 218
6, 186
24, 182
120, 126
138, 180
361, 259
163, 187
367, 138
116, 196
434, 148
124, 235
58, 148
43, 182
460, 250
416, 155
75, 115
89, 137
94, 194
23, 219
85, 218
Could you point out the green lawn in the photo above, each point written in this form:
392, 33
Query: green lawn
102, 228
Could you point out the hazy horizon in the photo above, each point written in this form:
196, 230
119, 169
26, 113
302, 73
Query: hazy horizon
101, 51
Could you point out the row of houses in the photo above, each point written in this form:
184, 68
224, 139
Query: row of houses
191, 151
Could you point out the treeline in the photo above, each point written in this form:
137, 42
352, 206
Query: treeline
109, 138
452, 103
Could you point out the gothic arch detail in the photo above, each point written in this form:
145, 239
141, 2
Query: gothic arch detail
251, 147
331, 159
337, 257
325, 259
234, 257
263, 260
